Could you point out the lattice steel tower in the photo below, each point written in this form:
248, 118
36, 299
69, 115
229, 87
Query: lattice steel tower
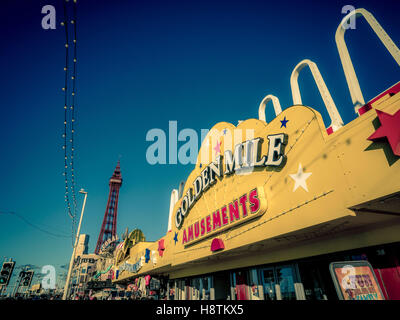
109, 226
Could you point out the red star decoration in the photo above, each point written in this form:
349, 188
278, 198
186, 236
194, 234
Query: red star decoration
390, 128
217, 148
161, 247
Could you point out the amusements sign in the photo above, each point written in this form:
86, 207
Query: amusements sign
242, 209
355, 280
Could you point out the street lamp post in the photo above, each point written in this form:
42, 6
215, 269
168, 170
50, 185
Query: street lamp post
66, 287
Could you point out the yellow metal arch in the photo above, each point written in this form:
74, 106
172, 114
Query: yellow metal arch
336, 120
348, 68
263, 104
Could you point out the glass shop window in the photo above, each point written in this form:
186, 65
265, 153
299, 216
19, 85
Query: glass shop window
269, 284
205, 288
195, 285
315, 277
171, 290
278, 282
286, 282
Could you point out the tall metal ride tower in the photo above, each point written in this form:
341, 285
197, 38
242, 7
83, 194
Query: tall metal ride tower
109, 225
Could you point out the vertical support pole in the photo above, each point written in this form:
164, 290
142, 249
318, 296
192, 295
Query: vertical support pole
71, 263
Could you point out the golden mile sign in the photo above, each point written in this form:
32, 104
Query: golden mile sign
245, 158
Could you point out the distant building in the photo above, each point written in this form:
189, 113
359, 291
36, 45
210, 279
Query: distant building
36, 288
83, 271
83, 245
84, 266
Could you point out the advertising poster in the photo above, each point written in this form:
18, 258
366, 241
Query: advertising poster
355, 280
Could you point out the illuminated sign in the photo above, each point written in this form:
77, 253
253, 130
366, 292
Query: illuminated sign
131, 267
88, 260
355, 280
246, 156
109, 244
80, 260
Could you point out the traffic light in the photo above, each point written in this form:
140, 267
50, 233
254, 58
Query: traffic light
6, 272
26, 278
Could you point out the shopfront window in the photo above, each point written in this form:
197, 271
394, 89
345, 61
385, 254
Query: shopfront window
314, 288
278, 282
286, 283
196, 288
171, 290
205, 288
221, 286
188, 290
180, 290
268, 281
316, 278
240, 285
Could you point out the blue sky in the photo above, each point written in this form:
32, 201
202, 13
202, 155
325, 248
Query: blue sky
140, 65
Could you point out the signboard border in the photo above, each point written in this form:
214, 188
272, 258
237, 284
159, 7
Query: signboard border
341, 264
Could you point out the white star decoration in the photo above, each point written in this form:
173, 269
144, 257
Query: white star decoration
300, 178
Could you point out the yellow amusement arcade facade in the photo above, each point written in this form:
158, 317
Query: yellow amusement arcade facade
269, 208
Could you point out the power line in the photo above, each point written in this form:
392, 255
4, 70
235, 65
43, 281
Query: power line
33, 225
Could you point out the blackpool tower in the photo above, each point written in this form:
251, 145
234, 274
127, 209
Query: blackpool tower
109, 225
